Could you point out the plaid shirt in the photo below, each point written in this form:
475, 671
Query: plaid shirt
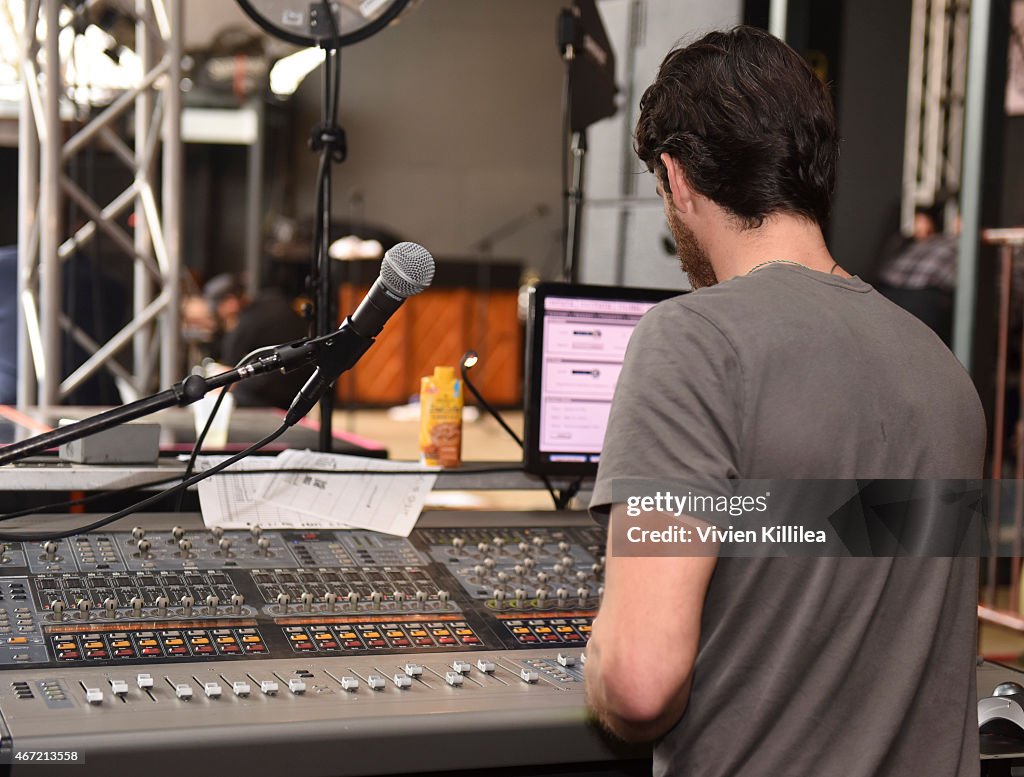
924, 264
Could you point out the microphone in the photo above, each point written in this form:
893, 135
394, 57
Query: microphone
407, 269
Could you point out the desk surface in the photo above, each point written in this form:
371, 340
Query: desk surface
177, 434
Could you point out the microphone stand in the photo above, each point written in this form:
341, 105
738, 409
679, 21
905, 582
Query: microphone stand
329, 141
333, 354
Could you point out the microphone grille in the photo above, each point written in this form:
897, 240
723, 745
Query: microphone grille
407, 269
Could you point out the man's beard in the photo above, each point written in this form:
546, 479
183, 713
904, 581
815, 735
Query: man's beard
692, 256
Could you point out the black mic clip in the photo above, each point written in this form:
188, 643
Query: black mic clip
333, 354
333, 138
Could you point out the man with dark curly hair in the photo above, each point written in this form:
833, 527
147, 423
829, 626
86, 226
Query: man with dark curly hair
781, 365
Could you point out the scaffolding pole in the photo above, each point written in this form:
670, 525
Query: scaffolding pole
152, 107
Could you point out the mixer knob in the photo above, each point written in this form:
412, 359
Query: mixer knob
296, 685
479, 570
144, 680
119, 687
583, 593
442, 597
600, 592
402, 682
568, 562
558, 569
454, 679
520, 595
528, 676
538, 542
110, 608
542, 577
502, 577
307, 601
144, 547
376, 682
237, 600
282, 601
225, 545
564, 546
161, 606
241, 688
185, 545
399, 597
350, 684
50, 550
57, 608
523, 547
485, 666
136, 604
255, 532
217, 532
462, 667
541, 596
138, 533
519, 569
177, 532
331, 600
84, 605
458, 543
421, 598
499, 543
412, 670
353, 599
187, 604
499, 599
583, 658
489, 562
562, 595
212, 603
483, 547
566, 660
600, 560
264, 545
529, 563
376, 598
582, 576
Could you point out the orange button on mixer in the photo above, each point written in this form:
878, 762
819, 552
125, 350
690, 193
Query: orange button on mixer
250, 639
88, 645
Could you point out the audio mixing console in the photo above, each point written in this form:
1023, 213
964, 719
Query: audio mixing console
330, 652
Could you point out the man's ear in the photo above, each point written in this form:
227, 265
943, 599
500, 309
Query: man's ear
679, 188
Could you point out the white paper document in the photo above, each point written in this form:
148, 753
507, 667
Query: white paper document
369, 496
373, 498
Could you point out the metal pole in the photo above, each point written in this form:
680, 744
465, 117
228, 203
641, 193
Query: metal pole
254, 202
49, 222
172, 194
142, 292
970, 198
28, 208
778, 16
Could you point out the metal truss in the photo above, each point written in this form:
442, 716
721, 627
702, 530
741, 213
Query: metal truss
153, 246
936, 80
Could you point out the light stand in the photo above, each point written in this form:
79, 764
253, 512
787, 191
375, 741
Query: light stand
330, 25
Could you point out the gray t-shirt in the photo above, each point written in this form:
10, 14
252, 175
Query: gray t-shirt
859, 667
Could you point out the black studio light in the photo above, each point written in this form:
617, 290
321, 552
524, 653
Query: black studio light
305, 23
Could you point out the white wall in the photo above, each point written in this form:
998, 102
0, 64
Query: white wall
453, 122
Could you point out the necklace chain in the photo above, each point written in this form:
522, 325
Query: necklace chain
788, 261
